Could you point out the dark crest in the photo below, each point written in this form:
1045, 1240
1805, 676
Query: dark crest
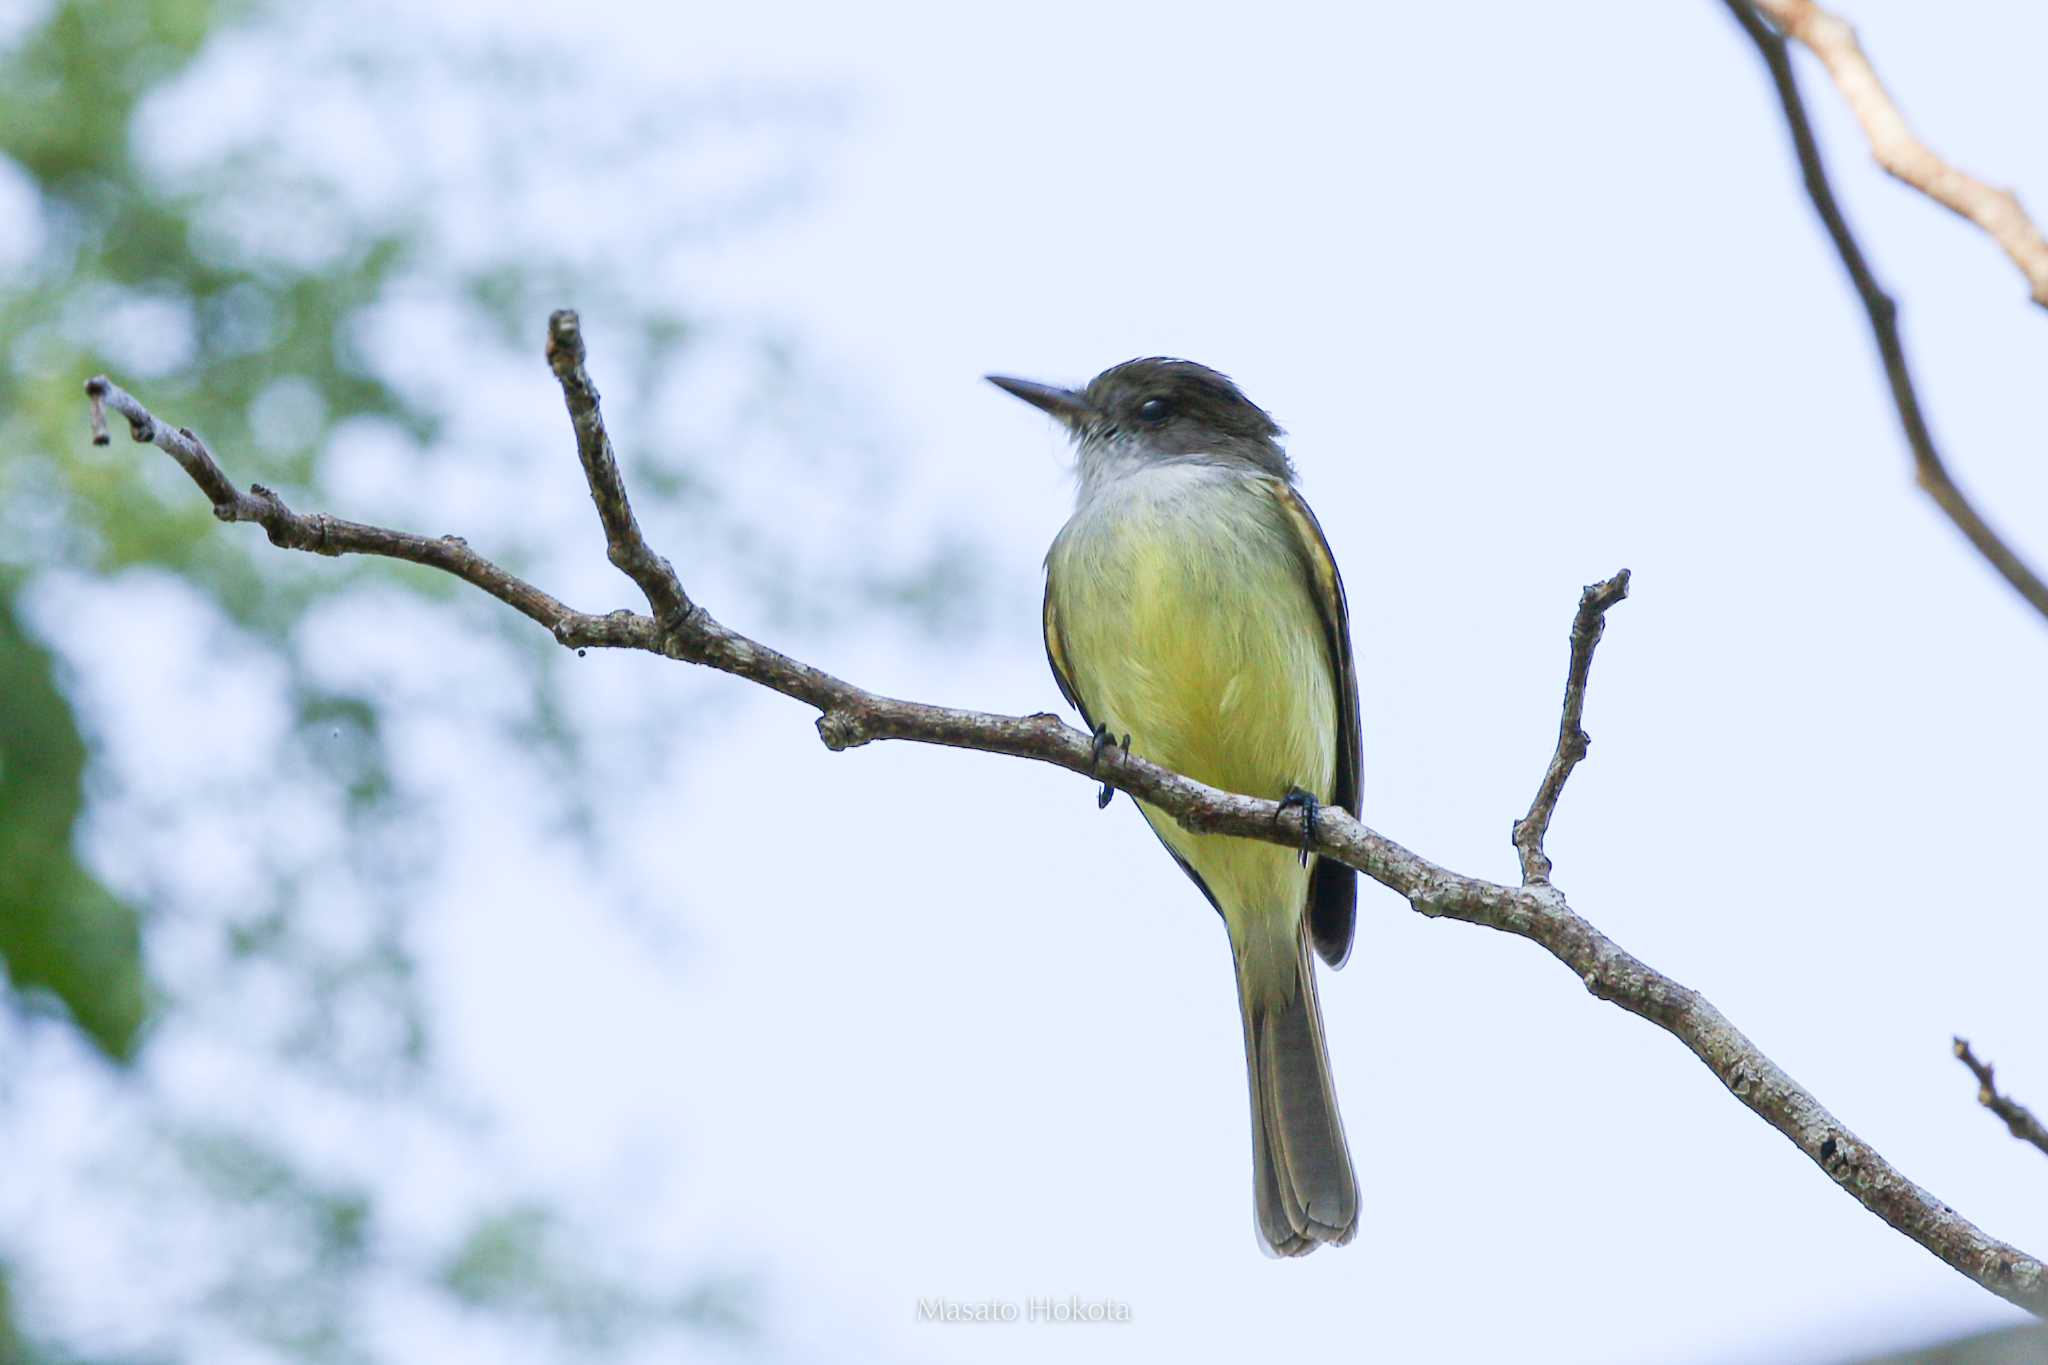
1176, 407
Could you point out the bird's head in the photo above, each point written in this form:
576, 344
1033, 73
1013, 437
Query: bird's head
1159, 409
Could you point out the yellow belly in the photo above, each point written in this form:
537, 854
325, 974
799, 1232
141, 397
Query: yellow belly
1187, 622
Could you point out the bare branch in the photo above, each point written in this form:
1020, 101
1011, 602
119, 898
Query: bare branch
321, 534
2019, 1120
1900, 151
1588, 624
850, 716
624, 544
1930, 471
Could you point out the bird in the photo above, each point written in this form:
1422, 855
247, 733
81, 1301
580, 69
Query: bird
1194, 615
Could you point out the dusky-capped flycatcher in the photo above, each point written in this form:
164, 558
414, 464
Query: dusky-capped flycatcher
1194, 614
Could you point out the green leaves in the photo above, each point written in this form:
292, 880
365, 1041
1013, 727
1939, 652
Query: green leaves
369, 353
512, 1261
114, 48
63, 936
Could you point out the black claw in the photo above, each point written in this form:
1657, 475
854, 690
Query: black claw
1099, 742
1310, 807
1108, 793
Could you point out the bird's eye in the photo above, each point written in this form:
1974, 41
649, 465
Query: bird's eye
1154, 410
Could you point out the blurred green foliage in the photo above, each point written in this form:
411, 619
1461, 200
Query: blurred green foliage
512, 1262
120, 251
234, 296
111, 241
61, 932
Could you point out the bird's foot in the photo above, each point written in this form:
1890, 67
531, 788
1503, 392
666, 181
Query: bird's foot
1100, 743
1310, 808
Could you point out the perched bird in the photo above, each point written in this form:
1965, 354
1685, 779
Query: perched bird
1194, 615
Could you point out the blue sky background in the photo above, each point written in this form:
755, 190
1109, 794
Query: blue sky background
1537, 295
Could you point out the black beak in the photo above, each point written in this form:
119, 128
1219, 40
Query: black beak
1064, 404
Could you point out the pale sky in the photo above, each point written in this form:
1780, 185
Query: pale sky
1537, 296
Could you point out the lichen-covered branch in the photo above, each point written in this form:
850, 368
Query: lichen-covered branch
1930, 470
319, 533
1901, 152
2019, 1120
1588, 624
627, 548
849, 716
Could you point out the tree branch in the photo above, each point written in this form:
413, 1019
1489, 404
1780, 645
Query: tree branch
624, 545
1930, 471
1901, 152
1588, 624
2019, 1120
850, 716
325, 535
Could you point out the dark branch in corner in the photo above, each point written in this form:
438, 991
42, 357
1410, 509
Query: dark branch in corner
849, 716
1900, 151
1588, 624
2019, 1120
1930, 470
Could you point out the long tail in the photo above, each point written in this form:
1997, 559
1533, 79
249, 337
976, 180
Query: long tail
1307, 1194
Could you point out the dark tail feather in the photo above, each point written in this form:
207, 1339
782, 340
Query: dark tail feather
1306, 1191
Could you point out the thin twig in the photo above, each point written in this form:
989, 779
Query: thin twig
1930, 471
1588, 624
1901, 152
2019, 1120
850, 716
319, 533
626, 547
